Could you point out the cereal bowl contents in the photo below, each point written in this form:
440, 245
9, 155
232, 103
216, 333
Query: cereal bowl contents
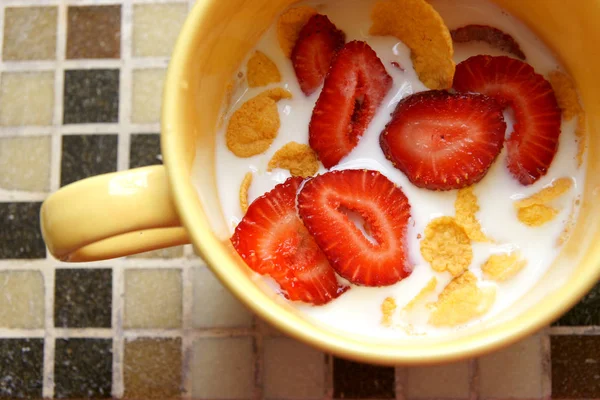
388, 184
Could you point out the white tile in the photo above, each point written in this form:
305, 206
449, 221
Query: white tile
156, 27
147, 95
513, 372
444, 381
214, 306
153, 298
21, 299
26, 98
222, 368
25, 163
293, 370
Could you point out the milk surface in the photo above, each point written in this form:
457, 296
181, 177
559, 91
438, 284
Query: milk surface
359, 310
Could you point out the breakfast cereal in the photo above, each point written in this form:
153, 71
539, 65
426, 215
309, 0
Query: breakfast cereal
261, 70
446, 246
298, 158
500, 267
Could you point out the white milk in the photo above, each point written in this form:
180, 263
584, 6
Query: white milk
359, 309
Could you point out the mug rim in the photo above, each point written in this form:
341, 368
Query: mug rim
184, 195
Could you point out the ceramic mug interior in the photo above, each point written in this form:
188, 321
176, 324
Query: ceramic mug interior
211, 46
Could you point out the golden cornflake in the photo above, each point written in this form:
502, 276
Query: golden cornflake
420, 27
461, 301
500, 267
253, 127
568, 101
387, 309
298, 158
244, 187
536, 215
557, 188
422, 295
466, 207
289, 26
261, 71
446, 246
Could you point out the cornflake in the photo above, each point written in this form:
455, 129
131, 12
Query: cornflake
244, 187
289, 26
421, 28
466, 206
387, 309
461, 301
298, 158
253, 127
500, 267
446, 246
261, 71
422, 295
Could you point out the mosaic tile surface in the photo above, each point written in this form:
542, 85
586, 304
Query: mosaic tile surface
80, 92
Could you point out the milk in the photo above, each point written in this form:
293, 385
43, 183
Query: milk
359, 310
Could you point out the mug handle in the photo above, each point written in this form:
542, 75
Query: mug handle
112, 215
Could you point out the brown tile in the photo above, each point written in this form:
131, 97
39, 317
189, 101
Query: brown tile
152, 369
29, 33
575, 367
94, 32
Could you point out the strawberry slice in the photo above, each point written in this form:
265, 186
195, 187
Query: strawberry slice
273, 241
492, 36
318, 42
534, 142
372, 253
353, 90
444, 141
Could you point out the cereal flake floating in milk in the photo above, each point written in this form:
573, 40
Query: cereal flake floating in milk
466, 206
253, 127
420, 27
289, 26
534, 211
298, 158
461, 301
244, 187
501, 267
568, 101
261, 71
446, 246
388, 307
422, 295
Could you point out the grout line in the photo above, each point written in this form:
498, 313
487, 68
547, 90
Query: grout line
258, 353
328, 384
49, 337
118, 288
574, 330
546, 370
401, 380
187, 278
474, 387
1, 35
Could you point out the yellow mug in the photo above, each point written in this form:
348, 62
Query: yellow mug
148, 208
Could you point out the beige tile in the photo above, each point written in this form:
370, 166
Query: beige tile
214, 306
156, 27
515, 372
21, 299
29, 33
222, 368
303, 378
170, 252
152, 369
147, 95
25, 163
439, 381
26, 98
153, 298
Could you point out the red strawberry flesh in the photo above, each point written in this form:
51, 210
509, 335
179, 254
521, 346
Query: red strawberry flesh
272, 240
318, 42
324, 204
444, 141
534, 142
353, 90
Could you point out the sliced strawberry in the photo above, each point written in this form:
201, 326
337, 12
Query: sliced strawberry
327, 204
273, 241
353, 90
492, 36
534, 141
444, 141
318, 42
